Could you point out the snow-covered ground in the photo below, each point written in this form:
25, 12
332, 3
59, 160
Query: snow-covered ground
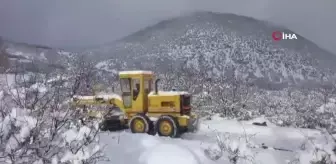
283, 144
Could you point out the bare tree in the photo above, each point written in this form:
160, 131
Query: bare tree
234, 96
81, 74
235, 149
38, 125
327, 90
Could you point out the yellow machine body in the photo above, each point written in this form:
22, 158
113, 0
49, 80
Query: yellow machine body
140, 96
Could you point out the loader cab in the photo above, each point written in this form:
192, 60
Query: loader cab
135, 87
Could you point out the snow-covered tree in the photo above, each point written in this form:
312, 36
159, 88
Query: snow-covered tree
38, 124
236, 150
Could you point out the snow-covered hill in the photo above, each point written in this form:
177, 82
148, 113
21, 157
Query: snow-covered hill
218, 44
30, 57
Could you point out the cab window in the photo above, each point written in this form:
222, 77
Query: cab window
148, 85
125, 85
136, 88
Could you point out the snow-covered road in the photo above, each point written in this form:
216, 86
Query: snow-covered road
127, 148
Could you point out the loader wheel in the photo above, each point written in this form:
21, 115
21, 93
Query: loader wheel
140, 123
167, 126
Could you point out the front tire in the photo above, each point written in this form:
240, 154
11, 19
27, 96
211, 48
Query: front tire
140, 123
167, 126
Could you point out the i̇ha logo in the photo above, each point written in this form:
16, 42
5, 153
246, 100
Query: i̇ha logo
277, 35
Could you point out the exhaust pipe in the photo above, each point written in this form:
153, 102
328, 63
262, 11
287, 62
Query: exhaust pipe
156, 86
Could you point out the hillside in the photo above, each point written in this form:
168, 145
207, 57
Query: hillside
22, 56
218, 44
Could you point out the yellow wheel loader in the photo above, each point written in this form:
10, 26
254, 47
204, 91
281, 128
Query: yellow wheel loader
166, 113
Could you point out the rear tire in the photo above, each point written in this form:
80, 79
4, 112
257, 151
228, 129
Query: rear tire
167, 126
140, 123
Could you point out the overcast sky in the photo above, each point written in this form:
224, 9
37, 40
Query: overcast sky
93, 22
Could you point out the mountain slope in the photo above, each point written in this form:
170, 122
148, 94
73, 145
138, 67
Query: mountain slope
218, 44
19, 56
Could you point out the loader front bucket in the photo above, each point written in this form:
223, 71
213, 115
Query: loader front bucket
194, 123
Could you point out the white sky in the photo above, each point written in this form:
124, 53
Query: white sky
93, 22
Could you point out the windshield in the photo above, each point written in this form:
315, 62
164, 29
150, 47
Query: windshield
125, 85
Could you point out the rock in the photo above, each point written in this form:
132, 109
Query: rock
260, 124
